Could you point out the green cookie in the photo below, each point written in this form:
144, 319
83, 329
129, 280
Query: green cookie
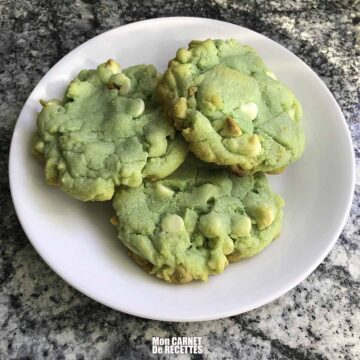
192, 223
107, 131
230, 107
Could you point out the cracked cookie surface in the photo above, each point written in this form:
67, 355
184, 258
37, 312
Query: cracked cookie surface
108, 131
230, 107
192, 223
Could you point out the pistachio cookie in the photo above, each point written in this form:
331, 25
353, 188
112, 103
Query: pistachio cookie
192, 223
107, 131
231, 108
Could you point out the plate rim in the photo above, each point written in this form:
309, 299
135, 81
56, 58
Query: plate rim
219, 314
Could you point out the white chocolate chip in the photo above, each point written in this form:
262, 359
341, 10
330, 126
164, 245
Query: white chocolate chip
250, 109
164, 191
112, 65
254, 145
122, 82
228, 245
183, 55
211, 225
172, 223
271, 75
249, 145
265, 216
291, 113
40, 146
114, 220
190, 220
138, 107
180, 108
240, 226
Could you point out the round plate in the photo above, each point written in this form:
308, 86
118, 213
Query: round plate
77, 240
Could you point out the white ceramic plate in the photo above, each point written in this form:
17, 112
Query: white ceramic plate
78, 242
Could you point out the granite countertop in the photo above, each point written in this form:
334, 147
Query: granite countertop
43, 317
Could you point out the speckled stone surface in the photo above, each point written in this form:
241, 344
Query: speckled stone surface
41, 317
